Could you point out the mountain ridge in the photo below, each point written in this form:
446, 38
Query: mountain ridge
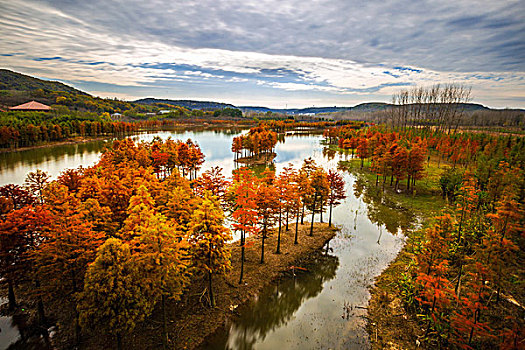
20, 88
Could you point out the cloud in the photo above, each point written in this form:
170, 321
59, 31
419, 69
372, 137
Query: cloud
340, 51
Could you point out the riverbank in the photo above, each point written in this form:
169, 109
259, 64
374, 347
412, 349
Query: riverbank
389, 325
261, 159
84, 139
192, 321
69, 141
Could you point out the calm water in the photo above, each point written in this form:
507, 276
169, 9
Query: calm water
320, 308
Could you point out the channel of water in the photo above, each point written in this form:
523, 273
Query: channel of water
323, 307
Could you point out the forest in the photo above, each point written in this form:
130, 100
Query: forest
461, 277
102, 249
145, 239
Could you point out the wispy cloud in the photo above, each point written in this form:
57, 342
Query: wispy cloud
340, 52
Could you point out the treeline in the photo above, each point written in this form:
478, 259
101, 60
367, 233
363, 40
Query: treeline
403, 155
22, 129
444, 107
99, 249
467, 267
440, 105
31, 128
259, 140
291, 124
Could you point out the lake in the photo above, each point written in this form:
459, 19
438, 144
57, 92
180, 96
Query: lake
322, 307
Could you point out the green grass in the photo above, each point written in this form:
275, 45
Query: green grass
426, 200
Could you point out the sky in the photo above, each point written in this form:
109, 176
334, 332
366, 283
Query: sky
273, 53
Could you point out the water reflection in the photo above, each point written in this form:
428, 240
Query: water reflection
381, 210
276, 305
14, 166
313, 312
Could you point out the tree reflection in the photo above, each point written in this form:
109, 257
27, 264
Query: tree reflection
276, 305
382, 211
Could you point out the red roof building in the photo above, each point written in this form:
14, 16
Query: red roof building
32, 106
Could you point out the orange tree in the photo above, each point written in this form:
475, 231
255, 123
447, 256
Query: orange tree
336, 191
243, 194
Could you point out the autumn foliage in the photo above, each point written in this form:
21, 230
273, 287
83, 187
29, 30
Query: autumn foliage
116, 241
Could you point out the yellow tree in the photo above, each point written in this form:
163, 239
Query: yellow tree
113, 296
159, 250
208, 238
161, 254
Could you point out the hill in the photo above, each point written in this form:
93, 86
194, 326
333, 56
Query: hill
10, 80
17, 88
189, 104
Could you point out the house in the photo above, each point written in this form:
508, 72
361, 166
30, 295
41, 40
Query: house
31, 106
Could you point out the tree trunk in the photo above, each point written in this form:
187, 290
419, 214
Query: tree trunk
40, 307
458, 284
11, 295
302, 214
164, 323
278, 251
321, 210
210, 287
262, 243
296, 228
242, 256
119, 341
78, 330
330, 217
313, 213
287, 229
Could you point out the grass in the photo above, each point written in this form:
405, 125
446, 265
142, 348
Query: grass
425, 200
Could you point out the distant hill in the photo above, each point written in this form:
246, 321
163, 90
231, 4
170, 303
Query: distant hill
10, 80
190, 104
17, 88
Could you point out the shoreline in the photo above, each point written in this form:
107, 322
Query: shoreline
386, 314
262, 159
71, 141
192, 322
83, 139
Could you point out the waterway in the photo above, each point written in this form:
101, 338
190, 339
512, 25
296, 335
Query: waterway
323, 306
